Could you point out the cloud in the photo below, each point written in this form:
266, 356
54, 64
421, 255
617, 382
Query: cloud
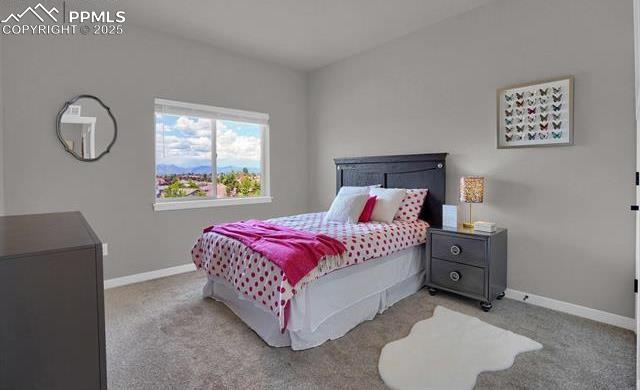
186, 141
191, 148
196, 126
232, 146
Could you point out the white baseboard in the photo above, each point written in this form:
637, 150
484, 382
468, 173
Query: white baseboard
549, 303
137, 278
576, 310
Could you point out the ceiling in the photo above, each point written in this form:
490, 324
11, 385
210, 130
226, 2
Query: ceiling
302, 34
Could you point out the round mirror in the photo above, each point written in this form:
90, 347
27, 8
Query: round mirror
86, 128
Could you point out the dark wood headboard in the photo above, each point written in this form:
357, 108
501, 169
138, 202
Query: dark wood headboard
404, 171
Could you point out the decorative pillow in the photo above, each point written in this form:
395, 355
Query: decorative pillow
352, 190
387, 203
368, 209
412, 204
346, 208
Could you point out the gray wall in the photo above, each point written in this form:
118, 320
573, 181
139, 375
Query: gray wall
2, 164
571, 234
116, 193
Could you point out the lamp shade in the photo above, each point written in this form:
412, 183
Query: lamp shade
472, 189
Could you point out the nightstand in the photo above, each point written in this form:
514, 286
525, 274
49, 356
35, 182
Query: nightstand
467, 262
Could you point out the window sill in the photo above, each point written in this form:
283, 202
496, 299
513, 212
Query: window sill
197, 204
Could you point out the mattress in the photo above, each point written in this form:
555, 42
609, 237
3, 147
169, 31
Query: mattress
259, 280
332, 305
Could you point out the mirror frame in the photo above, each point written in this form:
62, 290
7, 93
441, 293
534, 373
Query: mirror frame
59, 127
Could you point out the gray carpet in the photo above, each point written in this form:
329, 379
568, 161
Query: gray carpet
162, 335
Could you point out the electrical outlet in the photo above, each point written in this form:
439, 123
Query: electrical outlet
105, 249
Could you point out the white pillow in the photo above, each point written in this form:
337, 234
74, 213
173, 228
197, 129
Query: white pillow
346, 208
352, 190
387, 203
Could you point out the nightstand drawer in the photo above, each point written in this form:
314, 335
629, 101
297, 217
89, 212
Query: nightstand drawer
458, 277
461, 249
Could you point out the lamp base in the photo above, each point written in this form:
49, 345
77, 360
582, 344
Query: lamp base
467, 225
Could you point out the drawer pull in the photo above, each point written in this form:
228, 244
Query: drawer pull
455, 250
455, 276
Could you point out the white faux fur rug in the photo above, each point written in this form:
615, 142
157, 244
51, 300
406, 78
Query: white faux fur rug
448, 351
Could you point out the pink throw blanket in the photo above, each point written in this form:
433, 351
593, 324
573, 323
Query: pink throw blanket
296, 252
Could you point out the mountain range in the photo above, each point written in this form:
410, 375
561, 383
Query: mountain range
171, 169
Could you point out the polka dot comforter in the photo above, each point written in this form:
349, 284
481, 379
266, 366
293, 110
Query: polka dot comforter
254, 276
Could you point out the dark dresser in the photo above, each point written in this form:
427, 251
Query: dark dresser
468, 262
51, 303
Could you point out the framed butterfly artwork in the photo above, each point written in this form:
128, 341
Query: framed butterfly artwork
543, 108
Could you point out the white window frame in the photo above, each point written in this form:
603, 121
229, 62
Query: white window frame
215, 113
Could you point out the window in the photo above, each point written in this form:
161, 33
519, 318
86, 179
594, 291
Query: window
209, 156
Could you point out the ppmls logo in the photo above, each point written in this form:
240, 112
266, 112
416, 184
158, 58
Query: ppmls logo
34, 11
40, 20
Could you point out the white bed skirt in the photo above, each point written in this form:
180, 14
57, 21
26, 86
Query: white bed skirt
332, 305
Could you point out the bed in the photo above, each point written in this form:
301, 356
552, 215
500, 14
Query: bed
383, 263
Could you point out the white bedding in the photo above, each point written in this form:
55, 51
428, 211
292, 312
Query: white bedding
265, 284
330, 306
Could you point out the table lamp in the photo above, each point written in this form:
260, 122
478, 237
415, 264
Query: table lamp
471, 191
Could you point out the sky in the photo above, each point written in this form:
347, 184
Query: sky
185, 141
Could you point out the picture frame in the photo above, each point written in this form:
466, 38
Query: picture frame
535, 114
450, 215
